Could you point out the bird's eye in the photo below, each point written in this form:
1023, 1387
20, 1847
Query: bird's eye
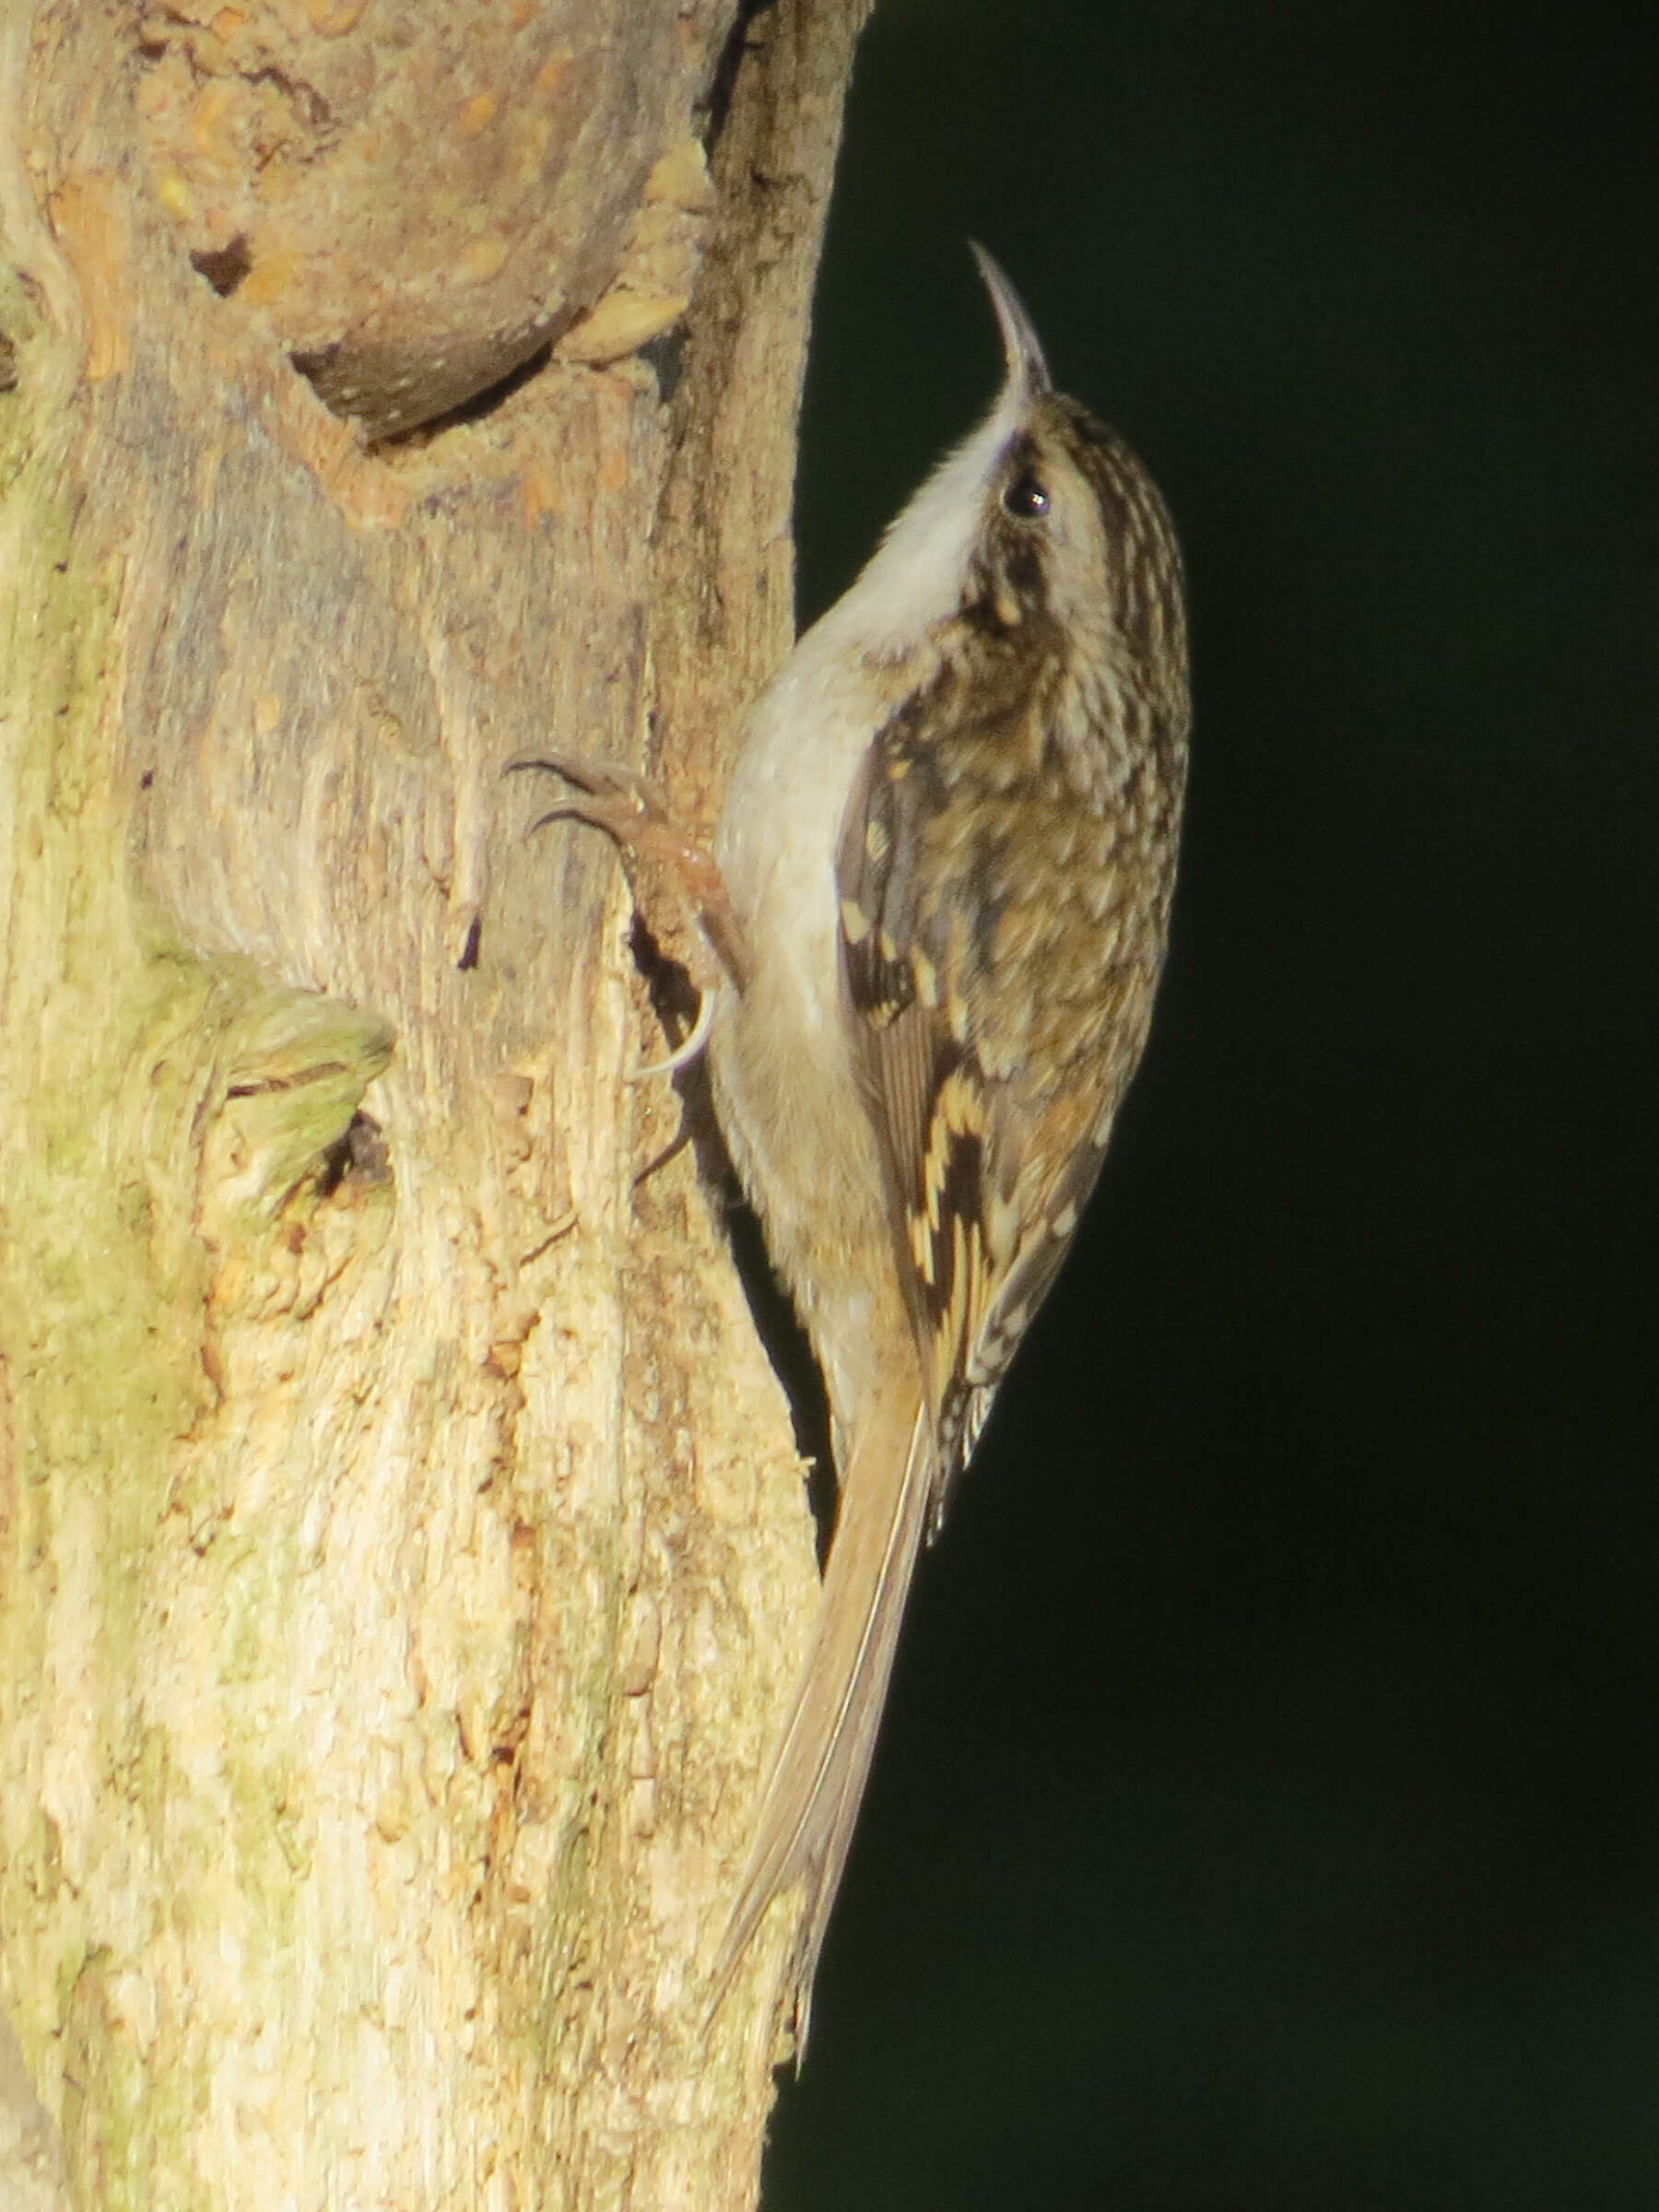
1025, 498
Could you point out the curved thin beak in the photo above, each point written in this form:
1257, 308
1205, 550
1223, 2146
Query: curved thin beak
1022, 348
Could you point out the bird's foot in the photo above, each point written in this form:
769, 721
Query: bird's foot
634, 815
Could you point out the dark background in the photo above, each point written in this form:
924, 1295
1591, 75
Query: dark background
1266, 1812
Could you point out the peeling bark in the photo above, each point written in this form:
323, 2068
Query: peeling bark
403, 1554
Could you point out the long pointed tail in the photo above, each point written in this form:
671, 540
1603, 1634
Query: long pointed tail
818, 1778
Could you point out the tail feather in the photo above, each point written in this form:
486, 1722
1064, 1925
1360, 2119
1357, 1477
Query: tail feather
805, 1826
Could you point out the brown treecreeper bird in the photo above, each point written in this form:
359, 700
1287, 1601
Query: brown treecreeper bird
944, 865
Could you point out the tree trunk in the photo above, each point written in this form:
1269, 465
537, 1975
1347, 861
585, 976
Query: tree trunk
404, 1559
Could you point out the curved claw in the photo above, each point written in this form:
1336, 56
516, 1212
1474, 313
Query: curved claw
688, 1047
615, 799
587, 775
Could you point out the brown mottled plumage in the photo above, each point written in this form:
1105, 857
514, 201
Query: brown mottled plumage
944, 865
949, 842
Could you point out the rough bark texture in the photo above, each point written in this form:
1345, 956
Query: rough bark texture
402, 1558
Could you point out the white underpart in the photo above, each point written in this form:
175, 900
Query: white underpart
782, 1075
915, 578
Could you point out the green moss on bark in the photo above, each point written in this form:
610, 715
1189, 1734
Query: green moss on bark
158, 1114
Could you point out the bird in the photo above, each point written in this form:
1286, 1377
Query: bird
939, 893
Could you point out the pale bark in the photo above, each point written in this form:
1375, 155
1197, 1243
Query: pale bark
403, 1554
